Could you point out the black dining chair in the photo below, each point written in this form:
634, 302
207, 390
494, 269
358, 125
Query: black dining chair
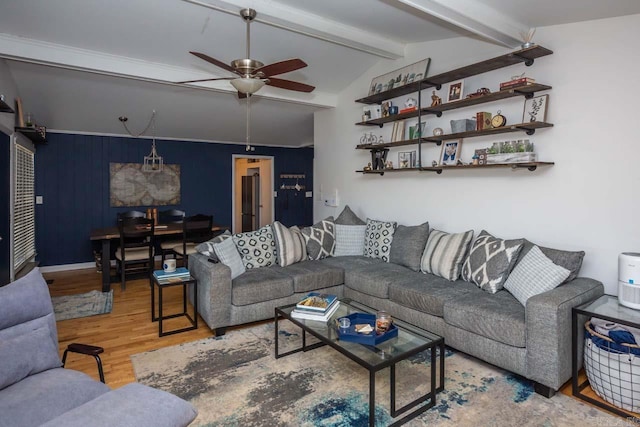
195, 230
135, 254
170, 216
130, 214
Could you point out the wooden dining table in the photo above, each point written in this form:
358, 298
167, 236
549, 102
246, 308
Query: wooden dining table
107, 234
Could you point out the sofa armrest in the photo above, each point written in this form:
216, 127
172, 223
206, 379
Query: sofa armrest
548, 318
214, 290
133, 405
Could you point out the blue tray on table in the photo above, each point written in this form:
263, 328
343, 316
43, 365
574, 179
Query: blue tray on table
369, 339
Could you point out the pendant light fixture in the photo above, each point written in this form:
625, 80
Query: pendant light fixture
153, 162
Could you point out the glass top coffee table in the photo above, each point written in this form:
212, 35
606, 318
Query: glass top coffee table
410, 341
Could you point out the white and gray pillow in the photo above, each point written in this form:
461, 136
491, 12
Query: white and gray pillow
228, 255
206, 248
349, 240
445, 253
290, 244
490, 261
320, 239
257, 248
408, 245
533, 275
378, 238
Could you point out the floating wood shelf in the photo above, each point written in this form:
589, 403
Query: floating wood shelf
524, 55
531, 166
528, 128
4, 107
33, 134
394, 144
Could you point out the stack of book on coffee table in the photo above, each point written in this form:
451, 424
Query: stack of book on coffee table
178, 275
316, 306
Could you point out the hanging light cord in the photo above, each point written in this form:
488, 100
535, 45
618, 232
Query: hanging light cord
152, 121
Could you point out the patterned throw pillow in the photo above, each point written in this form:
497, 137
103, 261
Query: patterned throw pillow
350, 240
348, 217
257, 248
290, 244
444, 253
378, 238
533, 275
228, 255
206, 248
490, 261
320, 239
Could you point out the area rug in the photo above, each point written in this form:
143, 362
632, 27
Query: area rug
234, 380
82, 305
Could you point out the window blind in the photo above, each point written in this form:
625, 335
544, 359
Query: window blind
24, 238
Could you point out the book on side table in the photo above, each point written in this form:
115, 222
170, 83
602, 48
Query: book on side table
173, 277
320, 317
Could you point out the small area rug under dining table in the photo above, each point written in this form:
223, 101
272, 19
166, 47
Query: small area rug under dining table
234, 380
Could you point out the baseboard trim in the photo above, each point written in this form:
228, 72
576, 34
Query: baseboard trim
67, 267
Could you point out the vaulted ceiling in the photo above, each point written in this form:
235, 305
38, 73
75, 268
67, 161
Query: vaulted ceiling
80, 64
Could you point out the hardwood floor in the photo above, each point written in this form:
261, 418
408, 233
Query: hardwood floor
128, 328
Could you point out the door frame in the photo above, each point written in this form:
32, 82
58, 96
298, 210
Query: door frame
235, 157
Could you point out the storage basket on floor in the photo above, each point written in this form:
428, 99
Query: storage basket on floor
613, 369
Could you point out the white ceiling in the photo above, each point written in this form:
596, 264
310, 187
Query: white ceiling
80, 64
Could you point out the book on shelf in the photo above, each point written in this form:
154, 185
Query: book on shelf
523, 81
180, 272
174, 279
317, 302
408, 110
306, 315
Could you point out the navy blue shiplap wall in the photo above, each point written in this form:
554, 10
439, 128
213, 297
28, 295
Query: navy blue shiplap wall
72, 174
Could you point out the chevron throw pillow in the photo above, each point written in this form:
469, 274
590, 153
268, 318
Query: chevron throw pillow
320, 239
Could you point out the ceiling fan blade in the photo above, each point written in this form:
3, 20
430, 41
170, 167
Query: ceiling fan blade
281, 67
290, 85
206, 80
215, 62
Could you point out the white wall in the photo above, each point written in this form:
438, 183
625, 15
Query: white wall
590, 199
10, 91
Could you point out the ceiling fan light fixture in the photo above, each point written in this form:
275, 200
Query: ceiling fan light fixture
247, 85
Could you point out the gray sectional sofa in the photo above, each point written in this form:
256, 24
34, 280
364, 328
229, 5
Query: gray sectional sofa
533, 340
36, 391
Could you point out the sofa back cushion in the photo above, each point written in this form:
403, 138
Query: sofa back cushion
378, 238
408, 244
348, 217
206, 248
290, 244
27, 354
320, 239
490, 261
445, 253
227, 254
571, 260
257, 248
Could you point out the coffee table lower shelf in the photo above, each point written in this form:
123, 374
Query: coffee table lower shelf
328, 335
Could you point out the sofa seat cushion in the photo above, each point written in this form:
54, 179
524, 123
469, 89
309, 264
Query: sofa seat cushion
375, 279
41, 397
348, 263
499, 317
428, 293
260, 284
311, 275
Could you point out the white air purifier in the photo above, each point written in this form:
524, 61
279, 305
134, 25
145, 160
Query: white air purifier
629, 279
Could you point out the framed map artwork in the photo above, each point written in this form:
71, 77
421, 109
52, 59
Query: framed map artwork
130, 186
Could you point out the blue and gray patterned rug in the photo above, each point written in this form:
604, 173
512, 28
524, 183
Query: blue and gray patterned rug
82, 305
235, 380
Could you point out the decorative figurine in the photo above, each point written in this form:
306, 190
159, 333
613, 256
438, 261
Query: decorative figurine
474, 160
435, 99
434, 163
368, 167
459, 163
437, 132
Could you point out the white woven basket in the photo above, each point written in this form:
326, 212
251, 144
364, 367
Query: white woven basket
613, 375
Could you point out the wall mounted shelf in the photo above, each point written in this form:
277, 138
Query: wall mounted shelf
4, 107
531, 166
524, 55
33, 134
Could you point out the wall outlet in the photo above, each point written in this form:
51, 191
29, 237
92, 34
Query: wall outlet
275, 194
39, 200
308, 194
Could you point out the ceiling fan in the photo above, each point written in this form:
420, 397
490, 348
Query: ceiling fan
252, 75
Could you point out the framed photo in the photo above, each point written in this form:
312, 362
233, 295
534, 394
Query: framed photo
450, 153
535, 109
405, 75
386, 106
406, 159
455, 91
417, 130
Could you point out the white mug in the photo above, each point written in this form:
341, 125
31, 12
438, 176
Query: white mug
169, 265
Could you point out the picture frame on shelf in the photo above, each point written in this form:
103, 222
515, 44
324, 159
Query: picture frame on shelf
450, 152
416, 131
397, 132
406, 159
535, 109
19, 113
400, 77
386, 108
456, 90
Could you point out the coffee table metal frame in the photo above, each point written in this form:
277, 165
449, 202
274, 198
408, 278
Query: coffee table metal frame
185, 285
433, 342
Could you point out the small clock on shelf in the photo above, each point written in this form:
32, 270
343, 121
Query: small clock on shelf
498, 120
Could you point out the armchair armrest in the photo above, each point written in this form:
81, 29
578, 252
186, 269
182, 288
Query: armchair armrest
548, 318
89, 350
214, 291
